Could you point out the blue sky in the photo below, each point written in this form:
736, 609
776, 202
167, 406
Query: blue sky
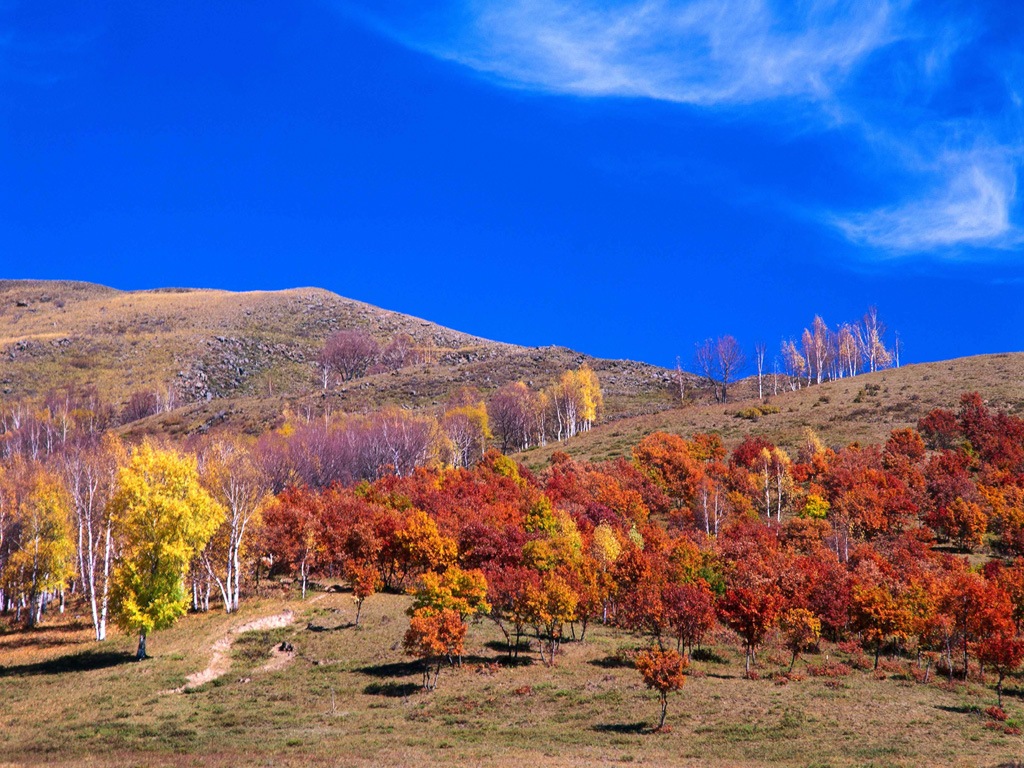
626, 179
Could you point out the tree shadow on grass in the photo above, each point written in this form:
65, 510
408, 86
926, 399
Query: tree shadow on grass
392, 689
622, 728
706, 654
85, 661
311, 627
960, 709
396, 669
503, 658
41, 641
612, 662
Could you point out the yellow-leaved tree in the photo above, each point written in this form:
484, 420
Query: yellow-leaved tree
43, 552
577, 400
237, 482
163, 517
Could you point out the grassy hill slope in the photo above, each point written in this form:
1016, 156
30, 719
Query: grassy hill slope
239, 359
864, 408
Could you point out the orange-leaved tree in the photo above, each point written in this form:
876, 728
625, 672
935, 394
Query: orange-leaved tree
663, 671
434, 636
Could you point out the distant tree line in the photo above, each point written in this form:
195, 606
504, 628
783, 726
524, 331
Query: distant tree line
821, 354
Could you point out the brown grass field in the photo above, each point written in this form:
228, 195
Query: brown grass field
350, 697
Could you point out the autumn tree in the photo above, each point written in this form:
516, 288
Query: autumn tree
750, 609
421, 547
578, 401
42, 556
802, 629
163, 518
1001, 649
550, 606
464, 592
365, 582
347, 354
466, 424
434, 636
90, 474
291, 535
240, 486
690, 611
663, 671
965, 522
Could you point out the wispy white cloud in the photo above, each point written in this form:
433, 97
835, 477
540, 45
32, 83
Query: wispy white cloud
727, 53
704, 52
970, 204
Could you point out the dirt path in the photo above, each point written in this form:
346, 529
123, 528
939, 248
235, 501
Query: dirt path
220, 663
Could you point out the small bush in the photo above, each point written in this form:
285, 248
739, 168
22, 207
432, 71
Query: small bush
757, 411
862, 662
829, 669
996, 713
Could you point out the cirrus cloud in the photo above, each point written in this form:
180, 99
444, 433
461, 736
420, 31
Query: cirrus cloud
956, 184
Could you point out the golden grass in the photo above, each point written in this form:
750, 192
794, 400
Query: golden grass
351, 698
861, 409
258, 350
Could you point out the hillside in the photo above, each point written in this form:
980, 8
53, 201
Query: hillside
241, 359
864, 408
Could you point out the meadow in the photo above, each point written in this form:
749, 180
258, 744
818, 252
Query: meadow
349, 696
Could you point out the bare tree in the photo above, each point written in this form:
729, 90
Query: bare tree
237, 482
760, 350
847, 350
704, 360
90, 475
875, 354
514, 416
400, 352
719, 361
794, 363
730, 359
349, 354
816, 342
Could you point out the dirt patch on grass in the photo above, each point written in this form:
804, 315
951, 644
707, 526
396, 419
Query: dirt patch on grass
220, 662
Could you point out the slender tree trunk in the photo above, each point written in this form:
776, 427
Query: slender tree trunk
101, 628
664, 709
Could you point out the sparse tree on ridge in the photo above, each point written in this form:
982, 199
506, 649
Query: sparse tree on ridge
760, 350
876, 355
719, 360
